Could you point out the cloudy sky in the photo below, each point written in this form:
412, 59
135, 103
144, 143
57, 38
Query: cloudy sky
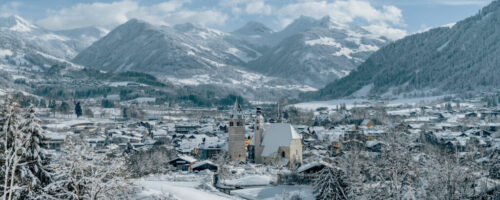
392, 18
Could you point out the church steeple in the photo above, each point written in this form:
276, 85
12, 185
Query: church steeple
237, 112
236, 137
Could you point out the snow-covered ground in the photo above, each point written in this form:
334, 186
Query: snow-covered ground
251, 180
276, 192
191, 186
180, 186
180, 190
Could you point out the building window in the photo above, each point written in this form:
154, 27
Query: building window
283, 154
238, 123
231, 123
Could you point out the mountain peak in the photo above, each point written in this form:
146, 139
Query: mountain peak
187, 27
16, 23
253, 27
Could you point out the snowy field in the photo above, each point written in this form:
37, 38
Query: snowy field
180, 190
276, 192
198, 187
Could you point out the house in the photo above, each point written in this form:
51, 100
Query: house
367, 123
185, 129
209, 152
204, 165
53, 141
374, 146
183, 162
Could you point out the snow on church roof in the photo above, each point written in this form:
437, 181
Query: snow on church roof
277, 135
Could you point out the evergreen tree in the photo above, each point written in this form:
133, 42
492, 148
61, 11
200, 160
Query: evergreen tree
42, 103
53, 106
78, 110
34, 171
330, 184
10, 148
124, 113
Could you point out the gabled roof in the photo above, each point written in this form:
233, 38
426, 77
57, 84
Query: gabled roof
186, 158
197, 164
277, 135
365, 122
312, 165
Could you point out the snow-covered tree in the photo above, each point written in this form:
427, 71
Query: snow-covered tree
11, 148
34, 170
24, 172
330, 184
86, 174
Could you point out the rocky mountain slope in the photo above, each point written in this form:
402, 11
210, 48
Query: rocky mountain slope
458, 58
315, 52
181, 51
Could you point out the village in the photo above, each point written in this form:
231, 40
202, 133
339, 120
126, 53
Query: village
278, 151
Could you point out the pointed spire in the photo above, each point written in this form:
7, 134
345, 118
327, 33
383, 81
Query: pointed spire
237, 111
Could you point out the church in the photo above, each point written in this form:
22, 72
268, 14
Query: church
276, 142
271, 143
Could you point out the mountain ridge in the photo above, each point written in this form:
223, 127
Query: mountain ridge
458, 58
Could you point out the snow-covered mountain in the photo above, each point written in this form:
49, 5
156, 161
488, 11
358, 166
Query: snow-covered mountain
64, 46
81, 38
306, 54
254, 33
459, 58
181, 51
316, 52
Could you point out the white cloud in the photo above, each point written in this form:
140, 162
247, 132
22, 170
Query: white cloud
115, 13
9, 9
387, 18
387, 31
258, 7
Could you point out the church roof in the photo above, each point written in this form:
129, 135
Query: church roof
277, 135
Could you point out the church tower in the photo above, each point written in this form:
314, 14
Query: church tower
257, 140
236, 139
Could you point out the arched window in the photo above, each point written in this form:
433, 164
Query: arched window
283, 154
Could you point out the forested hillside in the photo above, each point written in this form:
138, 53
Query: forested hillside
459, 57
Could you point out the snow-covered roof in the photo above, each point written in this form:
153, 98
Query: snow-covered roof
371, 144
197, 164
311, 165
365, 122
277, 135
186, 158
